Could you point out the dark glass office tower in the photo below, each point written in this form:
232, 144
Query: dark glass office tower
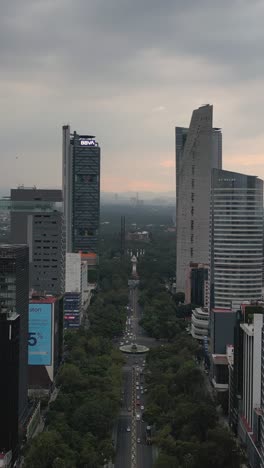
14, 292
81, 189
9, 388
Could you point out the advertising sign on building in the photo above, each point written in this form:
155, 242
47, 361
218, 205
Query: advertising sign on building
40, 335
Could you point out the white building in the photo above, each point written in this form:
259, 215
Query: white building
76, 275
252, 339
198, 150
236, 239
200, 323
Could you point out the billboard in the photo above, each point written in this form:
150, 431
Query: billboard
40, 335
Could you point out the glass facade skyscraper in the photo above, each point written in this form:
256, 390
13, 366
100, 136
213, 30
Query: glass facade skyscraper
81, 188
14, 293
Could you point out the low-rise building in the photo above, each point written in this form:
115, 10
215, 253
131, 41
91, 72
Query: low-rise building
142, 236
200, 323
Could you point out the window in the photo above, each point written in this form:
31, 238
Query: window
192, 223
191, 251
86, 178
192, 197
192, 210
192, 170
86, 232
191, 238
192, 183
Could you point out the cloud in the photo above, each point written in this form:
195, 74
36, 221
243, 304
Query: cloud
168, 163
128, 72
158, 109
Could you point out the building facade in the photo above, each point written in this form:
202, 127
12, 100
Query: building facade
222, 323
197, 285
198, 150
10, 384
236, 240
200, 323
14, 291
72, 309
81, 191
37, 220
76, 275
250, 412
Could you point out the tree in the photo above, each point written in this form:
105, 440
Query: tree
70, 378
166, 461
221, 450
46, 448
179, 297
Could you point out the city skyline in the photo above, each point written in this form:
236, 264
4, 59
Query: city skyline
129, 76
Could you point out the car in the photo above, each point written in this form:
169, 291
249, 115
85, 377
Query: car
138, 417
142, 392
142, 407
138, 440
137, 387
121, 343
137, 382
127, 341
128, 429
141, 387
138, 403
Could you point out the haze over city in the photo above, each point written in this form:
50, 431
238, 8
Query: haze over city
127, 72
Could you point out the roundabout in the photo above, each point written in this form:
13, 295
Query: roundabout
133, 348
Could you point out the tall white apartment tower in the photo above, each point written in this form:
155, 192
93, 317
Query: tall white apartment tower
236, 239
198, 151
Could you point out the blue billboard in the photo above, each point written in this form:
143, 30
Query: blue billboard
40, 335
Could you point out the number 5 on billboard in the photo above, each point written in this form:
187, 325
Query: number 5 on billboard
32, 340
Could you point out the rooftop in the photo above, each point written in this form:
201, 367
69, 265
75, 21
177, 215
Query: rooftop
43, 300
220, 359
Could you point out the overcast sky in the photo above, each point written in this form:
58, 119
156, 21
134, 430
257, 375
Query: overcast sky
128, 71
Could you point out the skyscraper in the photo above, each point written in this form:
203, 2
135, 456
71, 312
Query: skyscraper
14, 289
37, 220
81, 191
198, 150
236, 239
10, 383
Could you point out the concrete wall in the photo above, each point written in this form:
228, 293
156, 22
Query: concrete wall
193, 174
